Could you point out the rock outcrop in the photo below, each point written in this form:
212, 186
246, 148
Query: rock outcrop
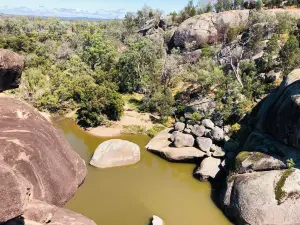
162, 145
208, 27
37, 165
191, 141
11, 67
34, 148
115, 152
261, 189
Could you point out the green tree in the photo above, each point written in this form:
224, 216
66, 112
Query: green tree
99, 52
290, 54
136, 64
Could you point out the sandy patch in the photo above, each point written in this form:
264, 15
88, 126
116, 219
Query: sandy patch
129, 118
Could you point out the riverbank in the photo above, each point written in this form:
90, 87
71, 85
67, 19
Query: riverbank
131, 119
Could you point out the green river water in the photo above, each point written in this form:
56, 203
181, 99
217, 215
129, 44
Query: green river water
131, 195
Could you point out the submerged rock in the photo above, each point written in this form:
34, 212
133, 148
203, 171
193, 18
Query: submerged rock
156, 221
115, 152
160, 145
208, 168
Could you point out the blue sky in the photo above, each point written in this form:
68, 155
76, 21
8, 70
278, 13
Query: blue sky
86, 8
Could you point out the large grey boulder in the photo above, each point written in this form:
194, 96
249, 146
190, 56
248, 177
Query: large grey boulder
11, 67
184, 140
35, 149
179, 126
217, 134
204, 143
150, 24
115, 152
160, 145
263, 197
208, 124
208, 168
208, 27
198, 130
15, 192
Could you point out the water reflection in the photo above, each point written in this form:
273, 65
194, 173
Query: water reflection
131, 195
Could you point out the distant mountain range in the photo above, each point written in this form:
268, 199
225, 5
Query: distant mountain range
64, 13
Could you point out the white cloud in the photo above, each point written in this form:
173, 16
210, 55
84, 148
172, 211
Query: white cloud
64, 12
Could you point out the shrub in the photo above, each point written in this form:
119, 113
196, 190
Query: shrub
196, 116
290, 163
154, 130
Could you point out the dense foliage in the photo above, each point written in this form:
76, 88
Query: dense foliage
87, 66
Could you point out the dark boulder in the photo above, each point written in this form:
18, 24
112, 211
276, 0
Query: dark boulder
11, 67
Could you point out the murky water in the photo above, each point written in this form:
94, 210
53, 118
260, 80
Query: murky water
131, 195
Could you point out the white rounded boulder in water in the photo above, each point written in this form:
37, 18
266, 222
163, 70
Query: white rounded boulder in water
115, 152
157, 221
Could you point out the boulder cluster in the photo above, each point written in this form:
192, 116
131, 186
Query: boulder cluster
196, 141
39, 171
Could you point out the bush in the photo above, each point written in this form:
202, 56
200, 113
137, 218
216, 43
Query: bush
290, 163
196, 116
154, 130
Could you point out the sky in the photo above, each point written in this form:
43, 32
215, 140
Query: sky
104, 9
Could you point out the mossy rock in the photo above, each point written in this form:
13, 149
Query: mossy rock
257, 161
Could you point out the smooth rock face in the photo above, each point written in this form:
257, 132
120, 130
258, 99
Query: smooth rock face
208, 168
160, 145
11, 67
157, 221
179, 126
198, 130
253, 198
257, 161
34, 148
184, 140
208, 27
115, 152
204, 143
15, 193
208, 123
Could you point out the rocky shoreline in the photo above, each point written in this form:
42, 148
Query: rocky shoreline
260, 177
